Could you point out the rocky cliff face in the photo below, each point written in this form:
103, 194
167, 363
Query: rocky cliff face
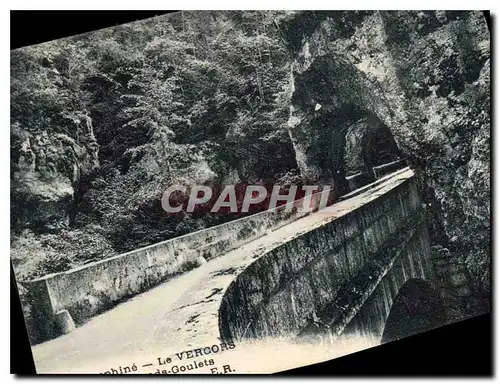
46, 169
424, 76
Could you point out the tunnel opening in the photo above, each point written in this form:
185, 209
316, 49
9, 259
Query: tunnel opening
382, 148
368, 143
337, 125
417, 308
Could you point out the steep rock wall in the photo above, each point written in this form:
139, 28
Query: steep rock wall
425, 75
46, 169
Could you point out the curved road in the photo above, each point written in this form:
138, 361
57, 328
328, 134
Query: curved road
180, 314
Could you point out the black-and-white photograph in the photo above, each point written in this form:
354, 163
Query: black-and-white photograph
223, 192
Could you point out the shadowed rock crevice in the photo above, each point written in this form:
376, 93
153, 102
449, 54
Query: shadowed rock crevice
417, 308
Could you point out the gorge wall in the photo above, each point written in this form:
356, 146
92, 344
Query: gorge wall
426, 77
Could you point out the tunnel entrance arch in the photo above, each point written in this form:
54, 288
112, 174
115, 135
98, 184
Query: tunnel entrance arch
417, 308
339, 125
352, 141
368, 143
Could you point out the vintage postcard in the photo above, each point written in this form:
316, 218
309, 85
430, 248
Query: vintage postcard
224, 192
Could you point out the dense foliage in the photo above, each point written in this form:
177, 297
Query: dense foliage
117, 115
